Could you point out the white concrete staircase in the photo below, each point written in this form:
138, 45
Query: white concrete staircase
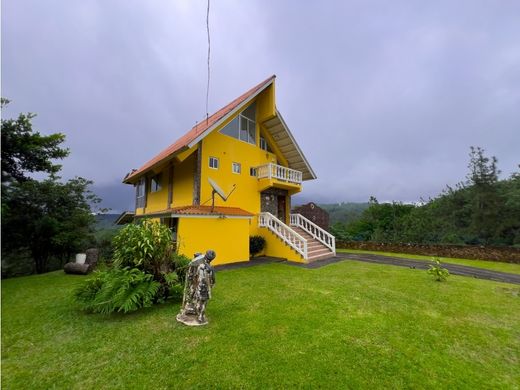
305, 237
316, 250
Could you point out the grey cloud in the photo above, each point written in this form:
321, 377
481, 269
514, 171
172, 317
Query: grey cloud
384, 98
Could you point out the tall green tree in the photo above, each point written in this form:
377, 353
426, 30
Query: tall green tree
481, 210
47, 218
25, 151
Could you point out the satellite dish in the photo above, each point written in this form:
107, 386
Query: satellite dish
218, 190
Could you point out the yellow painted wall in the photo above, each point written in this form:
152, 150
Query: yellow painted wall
228, 150
275, 247
228, 237
158, 200
183, 182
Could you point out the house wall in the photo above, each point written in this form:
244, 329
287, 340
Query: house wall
183, 174
228, 237
275, 247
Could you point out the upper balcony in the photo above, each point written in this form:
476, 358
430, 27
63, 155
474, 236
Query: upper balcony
274, 175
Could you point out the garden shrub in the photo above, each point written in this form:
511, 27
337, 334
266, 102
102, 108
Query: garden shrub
145, 270
439, 273
146, 245
117, 290
256, 244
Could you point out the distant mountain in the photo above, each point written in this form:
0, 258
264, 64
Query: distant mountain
344, 212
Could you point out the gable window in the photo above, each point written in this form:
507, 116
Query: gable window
236, 167
140, 193
252, 171
213, 162
243, 127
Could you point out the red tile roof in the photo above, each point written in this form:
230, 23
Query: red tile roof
196, 130
202, 210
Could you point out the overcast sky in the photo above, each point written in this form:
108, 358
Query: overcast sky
384, 97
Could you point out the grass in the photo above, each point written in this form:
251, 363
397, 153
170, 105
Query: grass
486, 264
347, 325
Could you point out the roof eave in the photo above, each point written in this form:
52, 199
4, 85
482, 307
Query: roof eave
293, 140
132, 179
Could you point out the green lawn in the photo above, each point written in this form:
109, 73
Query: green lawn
346, 325
486, 264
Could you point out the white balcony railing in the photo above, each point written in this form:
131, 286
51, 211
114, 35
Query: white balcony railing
288, 235
275, 171
315, 231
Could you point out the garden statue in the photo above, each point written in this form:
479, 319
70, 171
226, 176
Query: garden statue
199, 281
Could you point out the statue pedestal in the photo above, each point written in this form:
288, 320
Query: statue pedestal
190, 320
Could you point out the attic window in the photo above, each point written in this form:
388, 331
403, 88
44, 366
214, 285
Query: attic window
243, 127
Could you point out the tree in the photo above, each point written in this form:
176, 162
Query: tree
485, 198
25, 151
48, 218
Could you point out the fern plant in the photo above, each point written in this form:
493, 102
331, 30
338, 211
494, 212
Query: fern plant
117, 290
438, 272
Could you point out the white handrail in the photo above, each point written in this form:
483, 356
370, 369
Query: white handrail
288, 235
314, 230
275, 171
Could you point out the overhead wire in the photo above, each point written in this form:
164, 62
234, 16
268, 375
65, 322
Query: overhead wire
209, 52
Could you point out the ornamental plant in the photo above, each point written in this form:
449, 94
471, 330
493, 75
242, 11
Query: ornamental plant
256, 244
439, 273
145, 270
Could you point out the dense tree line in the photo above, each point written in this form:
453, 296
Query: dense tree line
41, 219
482, 210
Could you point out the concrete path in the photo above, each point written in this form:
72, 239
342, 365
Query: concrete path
455, 269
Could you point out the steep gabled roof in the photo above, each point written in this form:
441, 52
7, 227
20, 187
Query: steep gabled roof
200, 130
275, 126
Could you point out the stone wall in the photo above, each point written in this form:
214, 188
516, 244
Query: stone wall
502, 254
269, 200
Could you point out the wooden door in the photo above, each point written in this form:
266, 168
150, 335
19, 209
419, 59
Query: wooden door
281, 209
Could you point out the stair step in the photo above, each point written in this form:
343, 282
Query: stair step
320, 257
318, 252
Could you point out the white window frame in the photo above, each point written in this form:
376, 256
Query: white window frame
236, 168
140, 192
263, 144
250, 124
155, 183
213, 162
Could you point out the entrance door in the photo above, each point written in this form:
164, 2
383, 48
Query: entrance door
281, 209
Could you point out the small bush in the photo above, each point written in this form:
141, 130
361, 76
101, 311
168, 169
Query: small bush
117, 290
147, 246
256, 244
439, 273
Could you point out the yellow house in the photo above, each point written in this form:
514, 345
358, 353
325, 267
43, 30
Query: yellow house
246, 153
